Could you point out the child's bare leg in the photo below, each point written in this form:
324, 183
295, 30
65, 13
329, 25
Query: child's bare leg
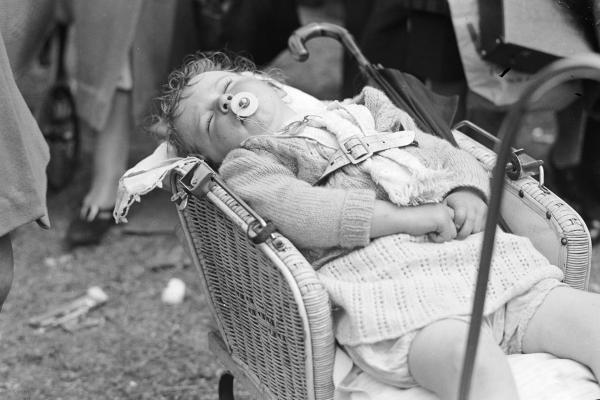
6, 267
436, 357
567, 324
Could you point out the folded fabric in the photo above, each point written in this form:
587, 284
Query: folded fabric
147, 175
539, 376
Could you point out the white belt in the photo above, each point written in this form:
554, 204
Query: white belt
355, 149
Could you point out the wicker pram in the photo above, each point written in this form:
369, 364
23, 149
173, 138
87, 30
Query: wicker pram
273, 317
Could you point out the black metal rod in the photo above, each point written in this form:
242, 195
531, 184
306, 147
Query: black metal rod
296, 42
297, 47
585, 66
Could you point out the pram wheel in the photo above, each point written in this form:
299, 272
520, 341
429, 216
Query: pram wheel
226, 387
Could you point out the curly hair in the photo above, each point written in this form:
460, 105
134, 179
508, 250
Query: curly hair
179, 80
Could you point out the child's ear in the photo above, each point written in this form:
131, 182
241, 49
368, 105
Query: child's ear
159, 129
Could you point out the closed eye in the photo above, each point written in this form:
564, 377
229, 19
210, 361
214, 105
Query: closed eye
227, 84
208, 122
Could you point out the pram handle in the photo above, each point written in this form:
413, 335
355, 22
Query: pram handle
296, 42
582, 66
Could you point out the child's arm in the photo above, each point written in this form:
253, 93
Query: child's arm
434, 220
325, 217
310, 216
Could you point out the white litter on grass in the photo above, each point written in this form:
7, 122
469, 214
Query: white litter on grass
174, 292
96, 293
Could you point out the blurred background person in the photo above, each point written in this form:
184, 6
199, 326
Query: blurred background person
23, 151
122, 52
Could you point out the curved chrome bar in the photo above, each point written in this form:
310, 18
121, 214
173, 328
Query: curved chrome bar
296, 42
583, 66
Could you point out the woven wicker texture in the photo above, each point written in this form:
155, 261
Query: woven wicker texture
575, 242
569, 245
261, 320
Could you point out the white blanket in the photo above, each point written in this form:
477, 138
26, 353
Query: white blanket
539, 376
147, 175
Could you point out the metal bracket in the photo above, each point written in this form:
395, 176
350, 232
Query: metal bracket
259, 233
180, 199
199, 180
522, 164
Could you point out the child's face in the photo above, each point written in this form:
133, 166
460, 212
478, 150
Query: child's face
207, 122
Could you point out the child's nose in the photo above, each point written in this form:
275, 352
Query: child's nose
224, 103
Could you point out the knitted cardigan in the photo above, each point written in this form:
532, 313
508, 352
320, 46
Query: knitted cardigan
387, 287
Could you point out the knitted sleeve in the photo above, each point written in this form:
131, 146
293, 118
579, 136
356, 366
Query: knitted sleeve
469, 174
311, 217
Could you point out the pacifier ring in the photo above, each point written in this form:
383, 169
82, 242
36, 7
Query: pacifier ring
244, 104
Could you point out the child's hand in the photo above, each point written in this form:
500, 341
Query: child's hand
434, 220
443, 219
469, 212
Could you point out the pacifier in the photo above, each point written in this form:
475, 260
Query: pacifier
244, 104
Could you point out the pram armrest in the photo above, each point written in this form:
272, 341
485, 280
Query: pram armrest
530, 209
273, 314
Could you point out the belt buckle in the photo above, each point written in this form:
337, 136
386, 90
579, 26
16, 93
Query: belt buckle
349, 145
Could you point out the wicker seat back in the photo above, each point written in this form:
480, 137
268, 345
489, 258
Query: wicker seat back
272, 313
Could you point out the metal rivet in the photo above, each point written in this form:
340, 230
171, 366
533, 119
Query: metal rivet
279, 244
521, 193
564, 241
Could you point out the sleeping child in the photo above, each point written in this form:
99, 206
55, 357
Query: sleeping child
391, 217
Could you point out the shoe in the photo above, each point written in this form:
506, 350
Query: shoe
89, 227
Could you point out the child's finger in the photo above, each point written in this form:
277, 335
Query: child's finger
479, 223
446, 233
450, 211
460, 216
451, 233
466, 229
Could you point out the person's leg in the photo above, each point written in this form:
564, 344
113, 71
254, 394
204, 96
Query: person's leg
6, 267
99, 73
567, 324
110, 153
436, 358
